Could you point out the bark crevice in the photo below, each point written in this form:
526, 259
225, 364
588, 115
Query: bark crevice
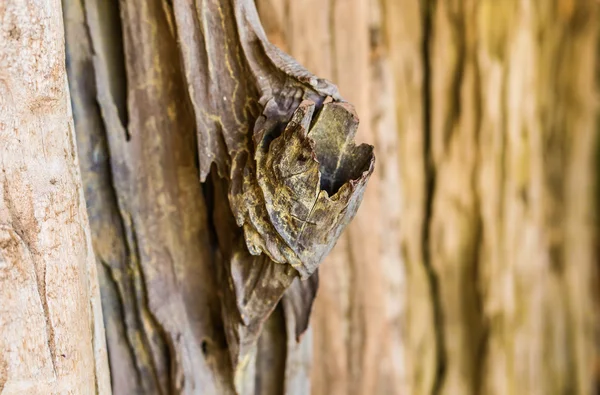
427, 13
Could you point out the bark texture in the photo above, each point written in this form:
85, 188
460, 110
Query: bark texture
508, 223
218, 173
357, 332
168, 94
493, 174
51, 330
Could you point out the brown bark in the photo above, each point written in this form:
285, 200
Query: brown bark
208, 159
358, 346
191, 272
514, 123
51, 332
494, 104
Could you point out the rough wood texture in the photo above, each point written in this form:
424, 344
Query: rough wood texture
494, 104
501, 276
356, 323
192, 91
484, 117
164, 267
51, 331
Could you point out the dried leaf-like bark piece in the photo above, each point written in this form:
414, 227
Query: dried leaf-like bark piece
254, 108
289, 221
308, 185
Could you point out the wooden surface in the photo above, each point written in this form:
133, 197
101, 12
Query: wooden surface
51, 331
196, 257
471, 267
511, 235
357, 328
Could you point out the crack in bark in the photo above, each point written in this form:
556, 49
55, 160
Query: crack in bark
480, 360
427, 13
39, 269
110, 274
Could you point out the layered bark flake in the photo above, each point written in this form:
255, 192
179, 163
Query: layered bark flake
218, 174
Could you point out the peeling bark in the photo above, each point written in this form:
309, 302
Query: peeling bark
218, 174
358, 314
193, 270
494, 106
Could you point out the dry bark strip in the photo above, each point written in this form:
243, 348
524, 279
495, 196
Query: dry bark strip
51, 331
191, 271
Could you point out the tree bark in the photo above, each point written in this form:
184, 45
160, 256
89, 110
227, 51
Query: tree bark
218, 173
357, 328
500, 197
51, 331
494, 104
168, 94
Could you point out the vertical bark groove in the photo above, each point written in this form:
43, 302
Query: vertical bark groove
428, 12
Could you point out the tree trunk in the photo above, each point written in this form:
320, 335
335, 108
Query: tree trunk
51, 332
499, 228
218, 173
494, 104
169, 94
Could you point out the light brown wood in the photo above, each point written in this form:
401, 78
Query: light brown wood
51, 330
357, 335
502, 277
472, 258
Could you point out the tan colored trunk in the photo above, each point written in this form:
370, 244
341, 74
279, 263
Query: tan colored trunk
51, 331
494, 106
508, 241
